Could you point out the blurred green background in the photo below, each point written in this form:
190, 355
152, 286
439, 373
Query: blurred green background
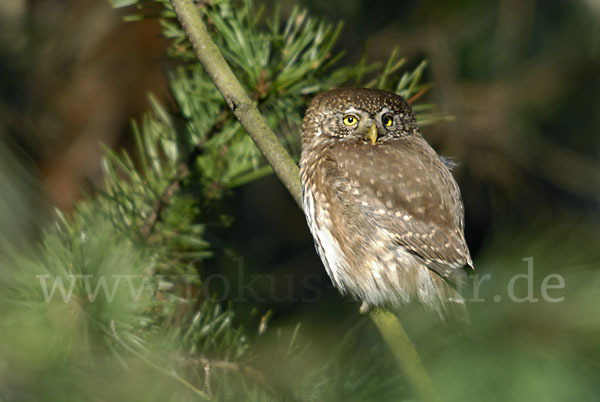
521, 79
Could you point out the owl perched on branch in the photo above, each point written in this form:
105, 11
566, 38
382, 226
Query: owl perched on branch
383, 208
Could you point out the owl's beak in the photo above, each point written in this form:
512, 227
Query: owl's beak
373, 134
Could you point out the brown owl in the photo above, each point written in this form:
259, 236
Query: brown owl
382, 206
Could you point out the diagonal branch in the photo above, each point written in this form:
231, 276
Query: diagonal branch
255, 125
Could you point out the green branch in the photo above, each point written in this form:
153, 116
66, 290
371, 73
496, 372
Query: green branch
406, 354
255, 125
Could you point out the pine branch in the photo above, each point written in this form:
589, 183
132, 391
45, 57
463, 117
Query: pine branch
240, 104
156, 366
246, 112
184, 168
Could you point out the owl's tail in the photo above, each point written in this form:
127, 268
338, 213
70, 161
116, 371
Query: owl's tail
451, 304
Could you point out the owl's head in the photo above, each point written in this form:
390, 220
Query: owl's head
363, 115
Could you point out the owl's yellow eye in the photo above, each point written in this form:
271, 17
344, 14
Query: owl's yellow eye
387, 120
350, 120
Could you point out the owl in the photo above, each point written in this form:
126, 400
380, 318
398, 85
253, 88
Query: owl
383, 208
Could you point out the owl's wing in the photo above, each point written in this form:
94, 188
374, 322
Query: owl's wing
403, 187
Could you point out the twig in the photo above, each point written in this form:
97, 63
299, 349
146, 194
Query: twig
183, 170
181, 173
207, 378
248, 371
149, 362
240, 104
220, 73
